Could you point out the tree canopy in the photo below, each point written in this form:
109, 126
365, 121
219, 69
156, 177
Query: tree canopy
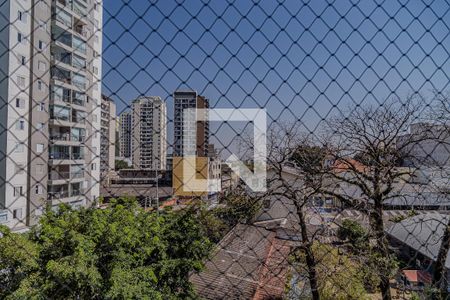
118, 252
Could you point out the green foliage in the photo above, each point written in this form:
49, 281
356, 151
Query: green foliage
120, 164
238, 208
355, 234
120, 252
339, 275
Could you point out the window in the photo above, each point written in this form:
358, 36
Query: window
43, 25
20, 103
21, 81
39, 189
41, 45
19, 148
3, 217
95, 69
22, 60
18, 191
93, 167
41, 106
20, 125
266, 204
39, 148
22, 16
20, 37
17, 213
39, 84
40, 126
42, 66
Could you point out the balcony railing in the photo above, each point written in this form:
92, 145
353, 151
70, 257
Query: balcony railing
62, 78
58, 195
79, 174
79, 102
64, 58
60, 117
77, 192
58, 155
77, 156
60, 137
64, 39
55, 175
66, 137
65, 155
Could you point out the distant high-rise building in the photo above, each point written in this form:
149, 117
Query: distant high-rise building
149, 133
50, 94
187, 153
107, 136
125, 134
198, 130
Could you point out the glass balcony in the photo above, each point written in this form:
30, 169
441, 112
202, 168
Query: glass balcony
56, 175
77, 156
58, 155
61, 75
63, 17
79, 45
60, 137
61, 194
79, 8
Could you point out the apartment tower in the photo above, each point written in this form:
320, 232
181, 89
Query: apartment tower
107, 137
149, 133
125, 134
50, 70
186, 154
200, 130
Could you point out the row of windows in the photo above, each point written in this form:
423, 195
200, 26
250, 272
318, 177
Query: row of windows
21, 38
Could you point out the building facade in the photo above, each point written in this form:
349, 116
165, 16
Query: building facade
125, 134
190, 181
50, 58
199, 131
432, 148
149, 133
107, 137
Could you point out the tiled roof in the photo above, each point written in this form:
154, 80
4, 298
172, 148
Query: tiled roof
249, 263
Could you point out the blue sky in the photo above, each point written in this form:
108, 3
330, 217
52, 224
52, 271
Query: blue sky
300, 61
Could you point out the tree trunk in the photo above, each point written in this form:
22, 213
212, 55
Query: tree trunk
310, 259
440, 274
382, 248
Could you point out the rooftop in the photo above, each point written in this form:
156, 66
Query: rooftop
249, 263
423, 233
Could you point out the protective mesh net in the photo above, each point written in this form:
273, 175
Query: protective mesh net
309, 140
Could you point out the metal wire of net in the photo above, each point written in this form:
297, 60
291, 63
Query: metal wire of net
224, 149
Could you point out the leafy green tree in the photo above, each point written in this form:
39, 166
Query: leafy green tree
238, 208
352, 232
121, 252
339, 275
120, 164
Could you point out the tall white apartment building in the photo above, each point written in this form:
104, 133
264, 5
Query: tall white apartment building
50, 95
125, 134
149, 133
108, 137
